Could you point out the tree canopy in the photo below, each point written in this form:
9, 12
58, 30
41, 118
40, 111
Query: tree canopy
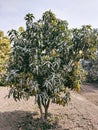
4, 54
45, 59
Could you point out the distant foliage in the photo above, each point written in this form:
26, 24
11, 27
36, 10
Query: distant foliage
91, 67
4, 55
46, 58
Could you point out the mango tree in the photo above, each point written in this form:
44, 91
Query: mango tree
4, 55
86, 39
45, 61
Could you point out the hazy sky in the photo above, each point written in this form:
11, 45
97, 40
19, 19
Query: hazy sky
76, 12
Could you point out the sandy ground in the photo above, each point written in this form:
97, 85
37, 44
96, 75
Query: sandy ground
80, 114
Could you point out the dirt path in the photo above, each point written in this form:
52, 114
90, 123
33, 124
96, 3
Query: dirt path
80, 114
90, 92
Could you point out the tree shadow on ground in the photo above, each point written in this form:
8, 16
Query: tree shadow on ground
23, 120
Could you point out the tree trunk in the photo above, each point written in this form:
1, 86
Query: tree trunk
46, 106
46, 109
40, 108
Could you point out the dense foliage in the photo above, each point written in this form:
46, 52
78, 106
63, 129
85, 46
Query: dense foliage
4, 55
45, 60
91, 67
87, 38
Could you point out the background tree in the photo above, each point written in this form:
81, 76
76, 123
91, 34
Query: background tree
45, 60
4, 55
90, 58
91, 67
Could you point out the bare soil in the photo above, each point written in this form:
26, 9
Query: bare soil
80, 114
